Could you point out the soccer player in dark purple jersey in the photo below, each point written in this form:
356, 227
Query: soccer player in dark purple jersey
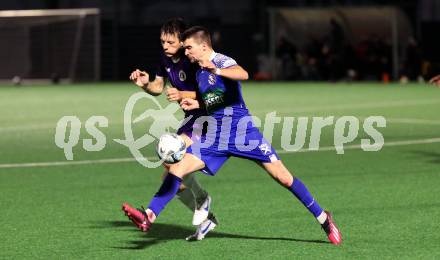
181, 74
224, 103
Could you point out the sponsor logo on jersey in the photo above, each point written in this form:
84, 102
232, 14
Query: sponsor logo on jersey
213, 99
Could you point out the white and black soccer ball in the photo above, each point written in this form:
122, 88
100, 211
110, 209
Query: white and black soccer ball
171, 148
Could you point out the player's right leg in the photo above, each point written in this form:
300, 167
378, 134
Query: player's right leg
281, 174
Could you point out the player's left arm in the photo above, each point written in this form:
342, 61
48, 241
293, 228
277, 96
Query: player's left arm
234, 72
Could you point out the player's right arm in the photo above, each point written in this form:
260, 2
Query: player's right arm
189, 104
142, 79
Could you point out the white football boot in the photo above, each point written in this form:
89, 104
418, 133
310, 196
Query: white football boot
209, 224
201, 213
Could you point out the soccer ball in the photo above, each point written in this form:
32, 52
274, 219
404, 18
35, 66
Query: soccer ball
171, 148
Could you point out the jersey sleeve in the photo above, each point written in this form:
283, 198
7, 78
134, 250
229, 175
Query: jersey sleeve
161, 72
224, 61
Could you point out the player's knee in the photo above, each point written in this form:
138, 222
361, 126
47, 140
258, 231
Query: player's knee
177, 171
281, 179
282, 175
286, 181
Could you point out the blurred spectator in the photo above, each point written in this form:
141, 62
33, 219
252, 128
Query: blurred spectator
332, 58
286, 53
337, 35
413, 63
264, 70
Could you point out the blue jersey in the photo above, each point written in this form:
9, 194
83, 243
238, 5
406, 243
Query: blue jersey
181, 73
222, 99
218, 92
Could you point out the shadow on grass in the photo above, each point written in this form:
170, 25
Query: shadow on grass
161, 233
433, 157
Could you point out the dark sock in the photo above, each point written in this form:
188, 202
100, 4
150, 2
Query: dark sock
300, 191
167, 191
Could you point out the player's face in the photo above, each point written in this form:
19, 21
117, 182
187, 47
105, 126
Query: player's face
193, 50
170, 44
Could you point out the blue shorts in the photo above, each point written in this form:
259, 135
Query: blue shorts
217, 154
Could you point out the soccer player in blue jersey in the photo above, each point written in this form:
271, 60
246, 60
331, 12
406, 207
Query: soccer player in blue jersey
181, 74
226, 136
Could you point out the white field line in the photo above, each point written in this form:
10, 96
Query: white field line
64, 163
412, 121
257, 111
415, 121
358, 146
130, 159
361, 105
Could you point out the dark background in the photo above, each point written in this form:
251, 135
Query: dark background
130, 29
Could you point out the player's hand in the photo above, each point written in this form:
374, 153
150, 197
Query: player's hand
173, 94
140, 78
208, 65
189, 104
435, 81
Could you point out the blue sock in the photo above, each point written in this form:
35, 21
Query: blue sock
167, 191
300, 191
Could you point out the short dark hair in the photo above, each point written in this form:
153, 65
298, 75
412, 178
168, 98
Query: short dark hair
175, 25
199, 33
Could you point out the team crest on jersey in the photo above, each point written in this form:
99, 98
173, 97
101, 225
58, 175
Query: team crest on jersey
168, 70
182, 75
211, 79
265, 149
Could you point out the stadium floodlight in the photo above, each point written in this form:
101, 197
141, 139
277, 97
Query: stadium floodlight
50, 44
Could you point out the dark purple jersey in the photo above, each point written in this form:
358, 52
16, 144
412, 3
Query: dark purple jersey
181, 73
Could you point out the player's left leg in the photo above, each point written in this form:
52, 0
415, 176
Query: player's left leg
281, 174
266, 156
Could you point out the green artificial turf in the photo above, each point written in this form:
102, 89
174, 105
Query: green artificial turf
385, 202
